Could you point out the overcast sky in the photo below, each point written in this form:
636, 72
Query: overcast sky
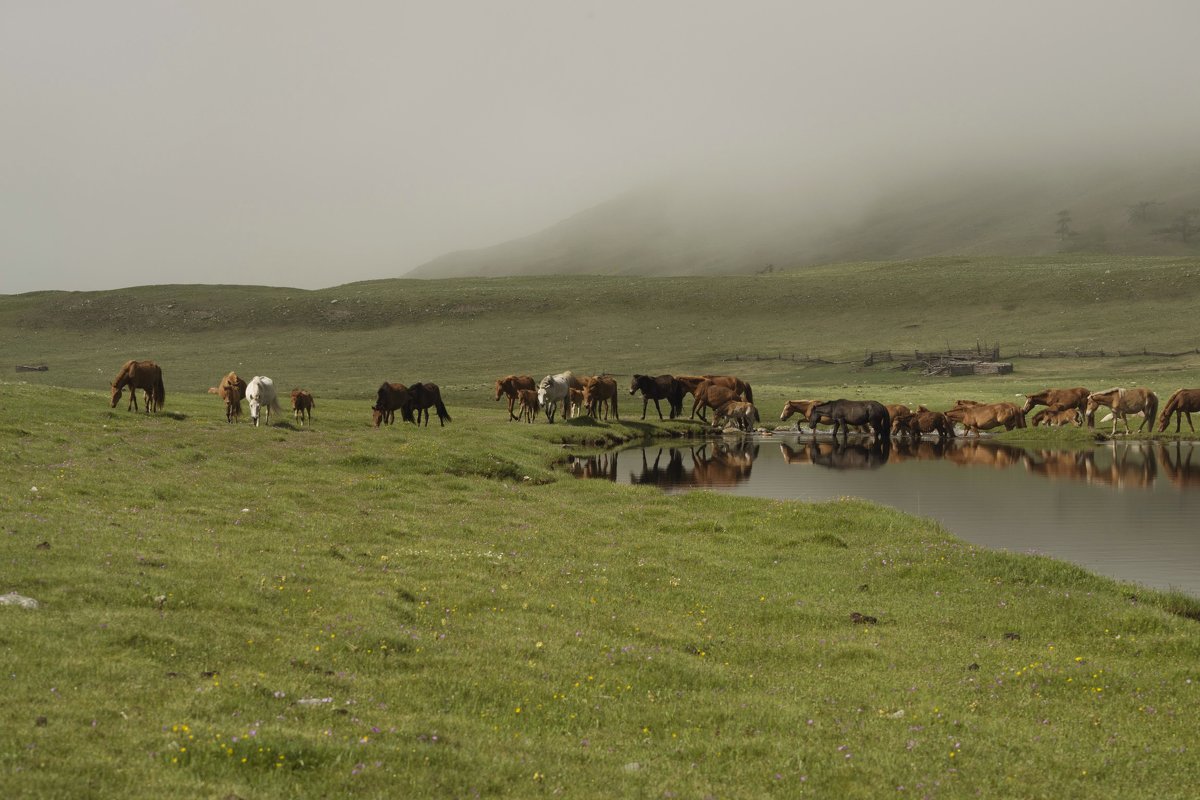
313, 143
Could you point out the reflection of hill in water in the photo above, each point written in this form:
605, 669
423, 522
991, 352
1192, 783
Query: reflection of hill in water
718, 465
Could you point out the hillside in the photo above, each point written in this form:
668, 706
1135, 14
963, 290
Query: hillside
698, 228
345, 340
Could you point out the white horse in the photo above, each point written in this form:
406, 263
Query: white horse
260, 392
554, 389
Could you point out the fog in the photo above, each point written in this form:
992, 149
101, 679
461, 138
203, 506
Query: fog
309, 144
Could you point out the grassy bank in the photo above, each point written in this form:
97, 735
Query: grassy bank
338, 610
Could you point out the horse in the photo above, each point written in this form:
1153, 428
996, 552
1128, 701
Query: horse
555, 389
975, 416
1051, 418
260, 392
710, 395
421, 397
528, 398
1122, 402
388, 398
1058, 400
921, 422
509, 386
844, 413
661, 387
1181, 401
144, 375
232, 390
600, 391
302, 405
690, 383
743, 414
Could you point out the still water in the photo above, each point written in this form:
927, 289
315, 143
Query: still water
1127, 510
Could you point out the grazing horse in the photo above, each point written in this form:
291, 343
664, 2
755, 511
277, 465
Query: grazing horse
600, 391
302, 405
975, 416
1122, 402
744, 415
1058, 400
260, 393
844, 413
528, 398
232, 390
710, 395
661, 387
509, 386
144, 375
421, 397
555, 389
391, 396
1181, 401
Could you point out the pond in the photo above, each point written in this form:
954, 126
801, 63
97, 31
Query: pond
1129, 510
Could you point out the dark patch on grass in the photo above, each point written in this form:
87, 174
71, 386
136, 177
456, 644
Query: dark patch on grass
1181, 605
829, 540
361, 460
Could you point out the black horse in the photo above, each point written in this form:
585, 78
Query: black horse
421, 397
844, 413
661, 387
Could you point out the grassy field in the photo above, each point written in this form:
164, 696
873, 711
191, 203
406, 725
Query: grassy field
336, 610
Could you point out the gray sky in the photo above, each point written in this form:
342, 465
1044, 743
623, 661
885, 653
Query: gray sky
309, 144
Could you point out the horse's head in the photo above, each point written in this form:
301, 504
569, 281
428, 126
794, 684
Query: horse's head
635, 384
1029, 404
500, 387
116, 395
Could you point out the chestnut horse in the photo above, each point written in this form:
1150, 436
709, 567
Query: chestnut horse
509, 386
528, 398
1181, 401
1123, 402
919, 422
421, 397
302, 405
743, 414
600, 391
976, 416
710, 395
144, 375
1058, 400
661, 387
391, 396
1052, 418
232, 390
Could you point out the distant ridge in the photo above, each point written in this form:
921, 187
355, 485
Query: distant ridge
701, 230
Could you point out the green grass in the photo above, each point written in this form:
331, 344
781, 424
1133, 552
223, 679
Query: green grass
339, 610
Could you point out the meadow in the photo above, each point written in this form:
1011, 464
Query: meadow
338, 610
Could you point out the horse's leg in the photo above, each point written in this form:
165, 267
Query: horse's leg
657, 408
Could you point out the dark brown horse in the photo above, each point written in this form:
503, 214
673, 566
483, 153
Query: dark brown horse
302, 405
844, 413
509, 386
389, 398
659, 387
232, 390
144, 375
1181, 401
920, 422
420, 397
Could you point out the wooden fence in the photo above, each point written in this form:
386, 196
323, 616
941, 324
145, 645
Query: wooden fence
978, 353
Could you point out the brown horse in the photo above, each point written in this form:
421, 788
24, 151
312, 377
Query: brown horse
1052, 418
690, 383
802, 407
144, 375
1123, 402
302, 405
1058, 400
845, 413
600, 393
232, 390
389, 398
743, 414
421, 397
1181, 401
528, 398
921, 422
976, 416
660, 387
710, 395
509, 386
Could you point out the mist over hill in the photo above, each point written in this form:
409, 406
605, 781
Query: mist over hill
722, 225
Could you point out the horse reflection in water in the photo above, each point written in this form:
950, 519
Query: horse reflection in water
837, 454
602, 465
714, 466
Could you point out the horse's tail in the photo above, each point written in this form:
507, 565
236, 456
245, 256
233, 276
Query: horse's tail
749, 394
441, 409
160, 391
1151, 410
406, 412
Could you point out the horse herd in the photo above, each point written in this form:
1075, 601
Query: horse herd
730, 398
